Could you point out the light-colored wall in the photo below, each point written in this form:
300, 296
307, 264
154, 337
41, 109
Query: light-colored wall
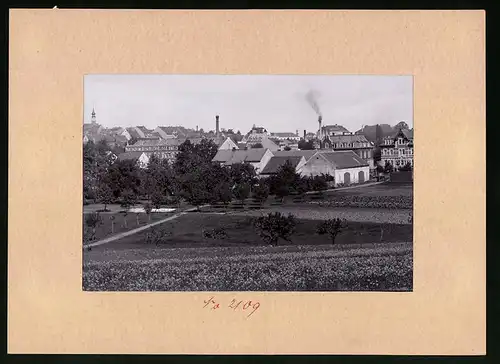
395, 155
354, 172
265, 159
316, 166
143, 160
126, 134
228, 145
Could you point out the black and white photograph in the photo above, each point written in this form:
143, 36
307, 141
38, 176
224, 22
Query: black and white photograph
247, 183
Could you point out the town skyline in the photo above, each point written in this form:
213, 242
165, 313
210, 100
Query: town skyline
278, 103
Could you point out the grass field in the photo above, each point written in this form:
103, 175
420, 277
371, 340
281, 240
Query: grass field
186, 231
104, 230
373, 253
385, 268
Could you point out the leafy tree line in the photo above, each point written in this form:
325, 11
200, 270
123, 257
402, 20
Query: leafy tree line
193, 177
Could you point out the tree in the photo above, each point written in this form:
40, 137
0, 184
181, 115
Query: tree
156, 236
92, 220
148, 209
285, 181
318, 183
287, 148
158, 177
388, 168
377, 154
257, 145
132, 141
129, 198
242, 191
243, 173
222, 193
97, 159
124, 175
332, 227
105, 195
261, 192
306, 145
275, 225
198, 184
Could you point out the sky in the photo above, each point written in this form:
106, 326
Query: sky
278, 103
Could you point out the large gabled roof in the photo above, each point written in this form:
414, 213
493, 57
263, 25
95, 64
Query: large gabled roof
129, 156
307, 154
344, 159
274, 164
229, 157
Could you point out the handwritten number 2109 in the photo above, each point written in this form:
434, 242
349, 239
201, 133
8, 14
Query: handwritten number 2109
248, 304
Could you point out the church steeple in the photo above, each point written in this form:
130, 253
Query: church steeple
93, 120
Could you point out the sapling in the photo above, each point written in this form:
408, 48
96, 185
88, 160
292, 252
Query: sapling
332, 227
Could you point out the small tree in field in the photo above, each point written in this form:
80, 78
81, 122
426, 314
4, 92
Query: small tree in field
156, 236
156, 199
105, 195
331, 227
222, 193
129, 199
275, 225
242, 191
148, 209
92, 220
112, 218
261, 192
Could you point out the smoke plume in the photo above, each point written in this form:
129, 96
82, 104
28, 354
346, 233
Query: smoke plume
312, 100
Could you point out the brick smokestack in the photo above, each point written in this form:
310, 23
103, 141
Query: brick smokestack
304, 135
217, 125
319, 122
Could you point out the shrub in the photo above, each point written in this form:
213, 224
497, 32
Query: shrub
406, 168
156, 236
217, 233
261, 192
331, 227
275, 225
318, 183
93, 219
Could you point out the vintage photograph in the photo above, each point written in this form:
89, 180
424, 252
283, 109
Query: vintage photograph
247, 183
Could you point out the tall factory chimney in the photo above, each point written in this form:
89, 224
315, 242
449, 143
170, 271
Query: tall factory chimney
320, 133
304, 135
217, 125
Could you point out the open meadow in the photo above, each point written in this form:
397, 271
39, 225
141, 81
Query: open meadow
373, 251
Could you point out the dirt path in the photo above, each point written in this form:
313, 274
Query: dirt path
139, 229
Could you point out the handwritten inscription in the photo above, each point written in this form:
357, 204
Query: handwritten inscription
235, 305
